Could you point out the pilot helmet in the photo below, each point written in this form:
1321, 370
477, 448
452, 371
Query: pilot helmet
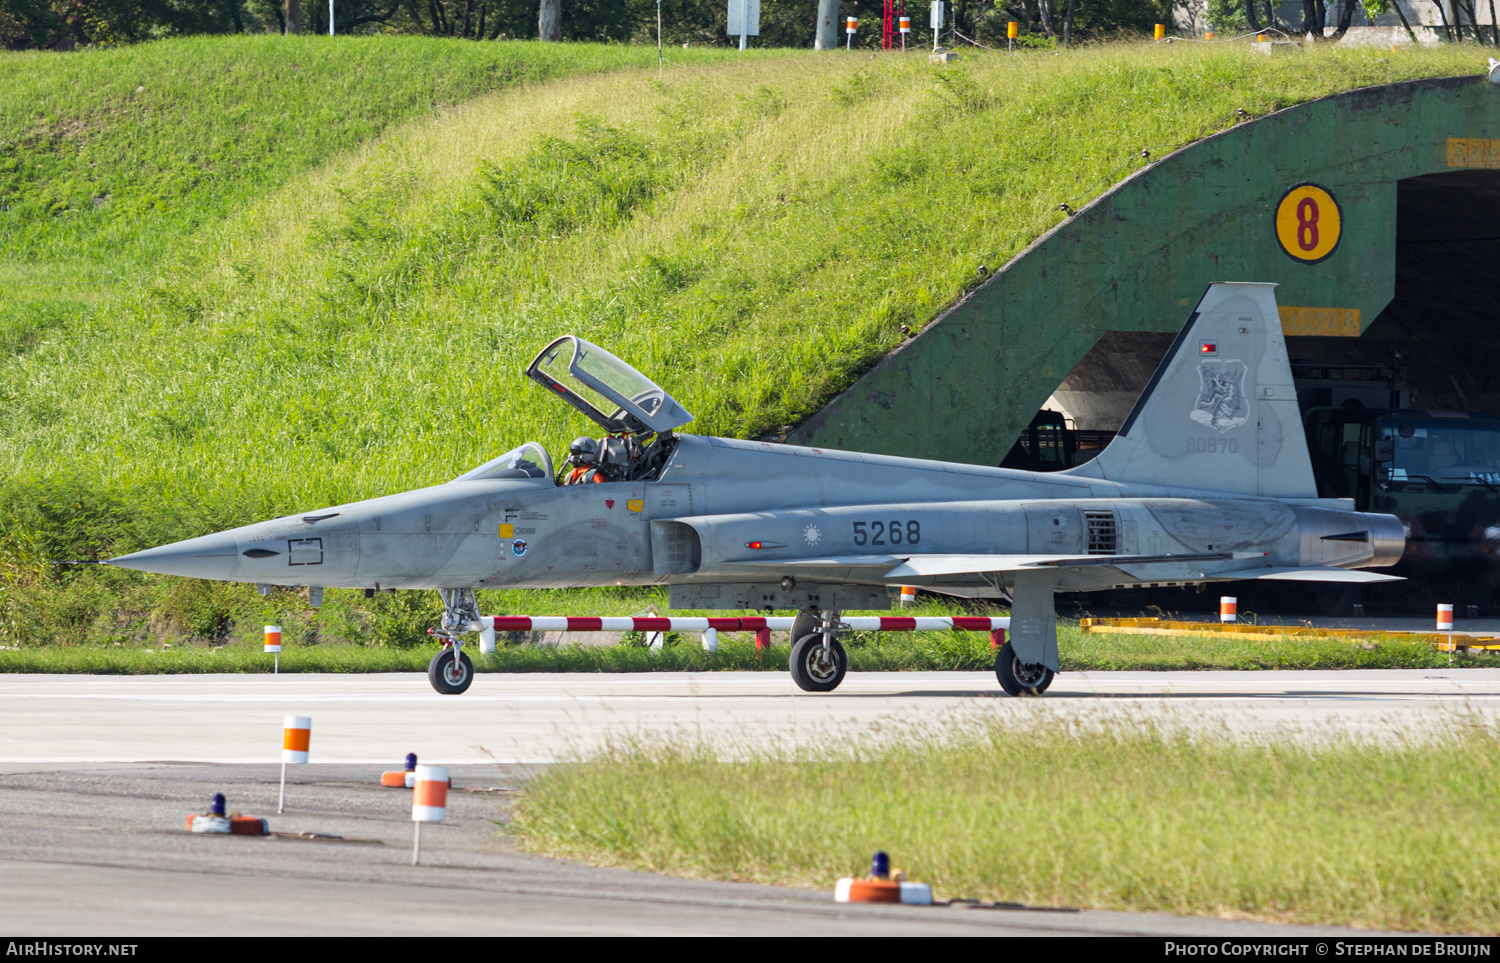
583, 451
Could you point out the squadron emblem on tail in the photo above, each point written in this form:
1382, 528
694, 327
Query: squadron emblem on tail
1221, 400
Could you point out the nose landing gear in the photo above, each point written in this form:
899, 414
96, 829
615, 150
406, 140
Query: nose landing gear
450, 671
818, 661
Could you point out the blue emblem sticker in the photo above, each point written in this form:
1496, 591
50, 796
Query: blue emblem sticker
518, 546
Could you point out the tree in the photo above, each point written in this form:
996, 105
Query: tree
293, 16
827, 37
1374, 8
549, 21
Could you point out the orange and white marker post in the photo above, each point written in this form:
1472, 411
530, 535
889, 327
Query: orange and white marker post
1445, 624
273, 646
429, 803
1012, 30
908, 594
296, 737
849, 25
905, 29
1229, 608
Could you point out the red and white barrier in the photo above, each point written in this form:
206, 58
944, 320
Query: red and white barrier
710, 627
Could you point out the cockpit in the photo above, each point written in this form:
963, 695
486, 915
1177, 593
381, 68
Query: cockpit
638, 431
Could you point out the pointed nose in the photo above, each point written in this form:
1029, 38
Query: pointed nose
210, 556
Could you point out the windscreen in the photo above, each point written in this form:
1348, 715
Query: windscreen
528, 461
1444, 452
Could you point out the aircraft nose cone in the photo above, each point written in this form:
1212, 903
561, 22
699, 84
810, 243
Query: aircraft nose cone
210, 556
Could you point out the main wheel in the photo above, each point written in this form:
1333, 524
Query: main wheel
448, 675
1336, 599
812, 669
1020, 678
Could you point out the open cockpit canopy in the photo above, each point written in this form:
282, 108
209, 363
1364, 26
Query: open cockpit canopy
583, 373
528, 461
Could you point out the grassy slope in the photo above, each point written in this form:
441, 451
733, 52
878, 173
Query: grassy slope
750, 232
109, 160
1119, 816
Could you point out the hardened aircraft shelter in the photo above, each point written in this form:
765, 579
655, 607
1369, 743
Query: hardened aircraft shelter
1377, 212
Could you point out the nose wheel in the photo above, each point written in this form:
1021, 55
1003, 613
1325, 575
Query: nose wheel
450, 672
1020, 678
818, 661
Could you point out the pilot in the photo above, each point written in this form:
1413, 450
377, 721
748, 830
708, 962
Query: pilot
583, 455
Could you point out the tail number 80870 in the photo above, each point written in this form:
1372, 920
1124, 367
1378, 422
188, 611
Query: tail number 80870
893, 532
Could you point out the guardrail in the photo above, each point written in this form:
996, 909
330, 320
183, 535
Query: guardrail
709, 628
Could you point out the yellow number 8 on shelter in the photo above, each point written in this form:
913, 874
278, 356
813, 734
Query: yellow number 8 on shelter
1309, 223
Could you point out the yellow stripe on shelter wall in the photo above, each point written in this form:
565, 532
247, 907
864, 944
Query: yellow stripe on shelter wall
1327, 322
1473, 152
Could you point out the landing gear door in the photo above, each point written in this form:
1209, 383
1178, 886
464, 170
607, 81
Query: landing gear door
595, 381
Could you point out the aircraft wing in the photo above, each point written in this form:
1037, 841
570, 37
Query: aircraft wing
976, 564
1311, 575
903, 566
895, 567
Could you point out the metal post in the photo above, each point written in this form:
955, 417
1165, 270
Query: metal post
744, 25
658, 41
281, 800
416, 844
330, 18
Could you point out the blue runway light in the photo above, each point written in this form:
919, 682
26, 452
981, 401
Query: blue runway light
880, 866
217, 809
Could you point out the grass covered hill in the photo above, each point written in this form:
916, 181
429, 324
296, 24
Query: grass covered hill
250, 276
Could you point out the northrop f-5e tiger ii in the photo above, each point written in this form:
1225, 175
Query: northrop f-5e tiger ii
1208, 480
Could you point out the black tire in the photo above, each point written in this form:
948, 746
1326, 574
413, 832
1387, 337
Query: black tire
447, 677
809, 670
1336, 599
1018, 678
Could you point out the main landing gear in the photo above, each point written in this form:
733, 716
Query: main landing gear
1020, 678
818, 662
450, 671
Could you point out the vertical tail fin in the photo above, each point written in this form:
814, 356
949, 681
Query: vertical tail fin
1221, 411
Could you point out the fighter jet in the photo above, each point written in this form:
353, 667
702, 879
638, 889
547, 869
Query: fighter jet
1208, 479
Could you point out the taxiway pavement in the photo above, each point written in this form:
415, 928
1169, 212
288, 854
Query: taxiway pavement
102, 852
98, 773
531, 718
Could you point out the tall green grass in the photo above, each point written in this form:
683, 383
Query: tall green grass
334, 298
1121, 815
